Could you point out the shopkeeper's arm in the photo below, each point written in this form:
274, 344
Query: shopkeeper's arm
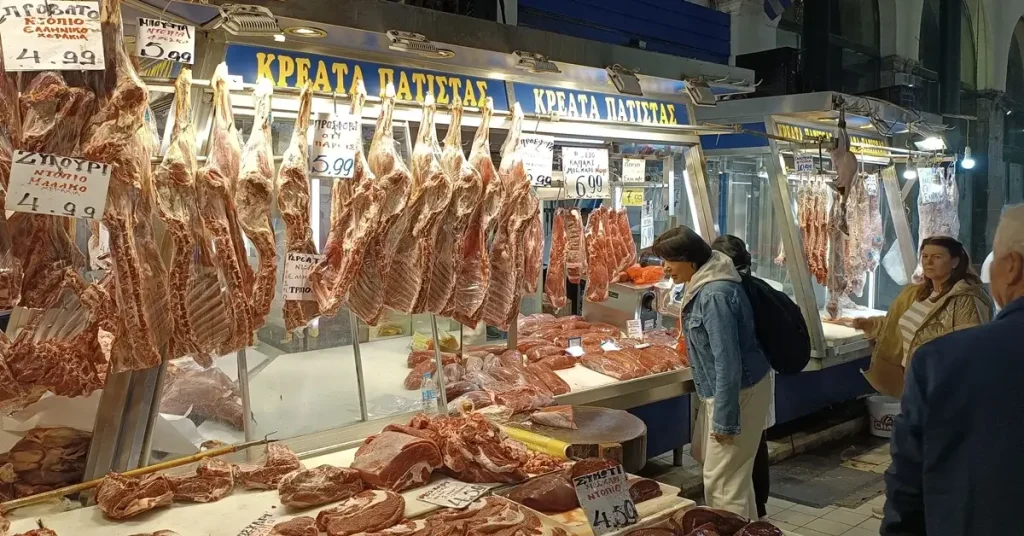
904, 507
724, 337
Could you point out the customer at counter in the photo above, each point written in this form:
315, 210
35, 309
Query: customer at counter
729, 368
956, 463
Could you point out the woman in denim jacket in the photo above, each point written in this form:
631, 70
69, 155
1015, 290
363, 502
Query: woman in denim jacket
729, 368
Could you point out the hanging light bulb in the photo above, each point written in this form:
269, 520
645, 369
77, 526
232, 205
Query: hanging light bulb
911, 172
968, 161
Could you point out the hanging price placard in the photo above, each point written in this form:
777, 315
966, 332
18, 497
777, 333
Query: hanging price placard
538, 153
633, 169
632, 197
164, 40
585, 171
604, 497
804, 163
647, 226
58, 185
871, 185
41, 36
335, 140
296, 276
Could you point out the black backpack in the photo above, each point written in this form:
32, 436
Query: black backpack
780, 326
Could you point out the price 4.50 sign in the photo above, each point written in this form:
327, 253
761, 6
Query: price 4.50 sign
335, 142
42, 36
585, 171
604, 497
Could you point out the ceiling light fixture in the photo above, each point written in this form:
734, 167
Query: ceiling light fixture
417, 44
625, 80
532, 62
931, 143
911, 172
968, 161
245, 20
306, 31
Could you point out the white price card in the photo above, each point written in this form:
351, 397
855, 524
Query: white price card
296, 276
453, 494
610, 346
871, 185
43, 35
58, 185
804, 163
646, 231
261, 526
335, 140
633, 169
538, 153
634, 330
585, 171
604, 498
162, 40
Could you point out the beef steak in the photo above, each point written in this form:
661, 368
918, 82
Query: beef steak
397, 461
320, 485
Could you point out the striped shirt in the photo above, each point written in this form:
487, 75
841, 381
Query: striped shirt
912, 320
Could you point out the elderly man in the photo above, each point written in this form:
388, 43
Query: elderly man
957, 467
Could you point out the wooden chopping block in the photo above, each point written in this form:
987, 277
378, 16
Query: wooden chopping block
601, 433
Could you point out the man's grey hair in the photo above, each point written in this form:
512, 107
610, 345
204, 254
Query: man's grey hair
1010, 234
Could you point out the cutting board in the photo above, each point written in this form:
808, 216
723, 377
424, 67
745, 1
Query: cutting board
600, 432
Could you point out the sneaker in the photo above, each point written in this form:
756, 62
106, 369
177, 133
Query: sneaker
878, 511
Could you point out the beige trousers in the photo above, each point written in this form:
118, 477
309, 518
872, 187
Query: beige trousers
728, 467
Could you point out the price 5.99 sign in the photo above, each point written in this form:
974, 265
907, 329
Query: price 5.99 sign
585, 172
162, 40
335, 140
604, 497
46, 35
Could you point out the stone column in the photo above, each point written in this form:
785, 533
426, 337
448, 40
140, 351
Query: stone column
750, 29
987, 181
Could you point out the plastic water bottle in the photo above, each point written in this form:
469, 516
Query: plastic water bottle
428, 394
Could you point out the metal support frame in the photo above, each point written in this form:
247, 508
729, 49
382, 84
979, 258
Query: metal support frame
697, 190
796, 264
353, 322
894, 198
442, 397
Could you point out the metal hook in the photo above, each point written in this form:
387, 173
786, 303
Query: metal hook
334, 99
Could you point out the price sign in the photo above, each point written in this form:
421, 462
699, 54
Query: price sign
632, 197
804, 163
452, 494
634, 330
610, 346
296, 276
261, 526
633, 169
335, 142
58, 185
646, 231
45, 35
586, 173
538, 153
164, 40
871, 185
604, 497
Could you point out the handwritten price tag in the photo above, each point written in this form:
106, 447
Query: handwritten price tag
166, 41
632, 197
453, 494
538, 153
633, 169
335, 142
41, 35
646, 231
586, 173
604, 497
804, 163
58, 185
261, 526
634, 330
296, 276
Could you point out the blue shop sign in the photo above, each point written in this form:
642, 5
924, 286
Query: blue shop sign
290, 68
571, 103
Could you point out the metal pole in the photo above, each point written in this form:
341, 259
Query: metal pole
900, 223
243, 386
354, 328
154, 414
442, 397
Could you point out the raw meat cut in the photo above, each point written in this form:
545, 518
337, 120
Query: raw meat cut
320, 485
159, 533
453, 390
643, 489
214, 480
558, 362
625, 234
121, 497
176, 202
760, 528
556, 416
617, 364
539, 463
202, 394
470, 401
216, 184
538, 353
293, 198
657, 358
38, 532
299, 526
254, 197
837, 276
523, 398
475, 450
551, 493
396, 461
46, 459
474, 263
354, 219
598, 258
722, 521
493, 516
843, 160
552, 381
533, 264
420, 527
652, 531
591, 465
393, 183
467, 190
417, 357
937, 208
554, 283
368, 511
414, 380
278, 462
575, 246
864, 220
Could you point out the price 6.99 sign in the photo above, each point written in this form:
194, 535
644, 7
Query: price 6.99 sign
604, 497
585, 172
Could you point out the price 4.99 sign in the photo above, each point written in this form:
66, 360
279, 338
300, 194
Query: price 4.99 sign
335, 139
585, 172
57, 185
43, 36
604, 497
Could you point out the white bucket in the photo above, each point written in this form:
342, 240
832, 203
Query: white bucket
882, 411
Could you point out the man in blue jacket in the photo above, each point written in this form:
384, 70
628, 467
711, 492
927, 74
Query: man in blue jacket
957, 467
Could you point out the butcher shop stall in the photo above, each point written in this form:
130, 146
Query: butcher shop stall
417, 267
820, 187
